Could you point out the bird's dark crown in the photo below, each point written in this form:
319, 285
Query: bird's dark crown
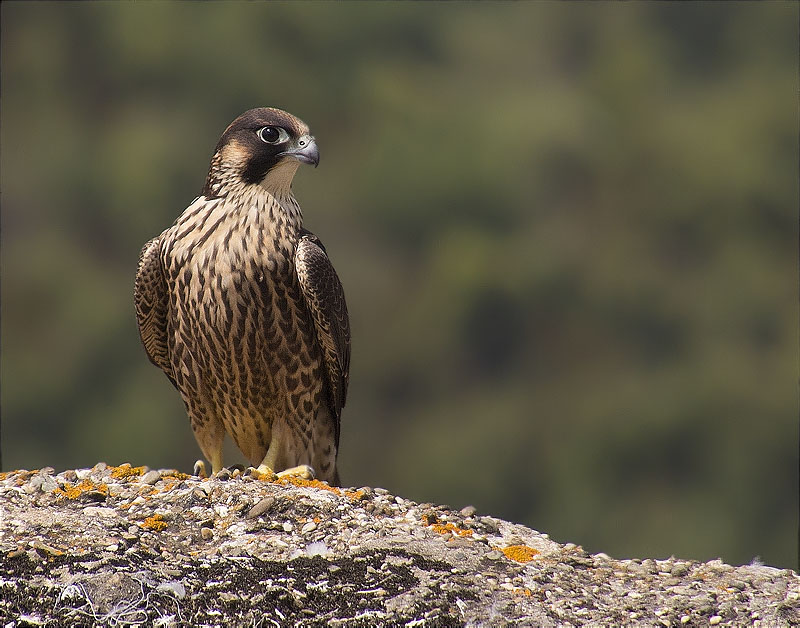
246, 151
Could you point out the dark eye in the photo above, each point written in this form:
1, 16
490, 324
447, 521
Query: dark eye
273, 135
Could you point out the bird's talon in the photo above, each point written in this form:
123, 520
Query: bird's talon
303, 471
200, 469
263, 472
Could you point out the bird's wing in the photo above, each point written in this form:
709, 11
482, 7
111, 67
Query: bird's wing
152, 303
325, 299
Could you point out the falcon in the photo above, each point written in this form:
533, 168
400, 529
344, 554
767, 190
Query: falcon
241, 308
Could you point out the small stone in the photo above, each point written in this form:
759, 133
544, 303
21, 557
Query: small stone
381, 491
97, 496
491, 523
495, 555
685, 619
34, 485
308, 527
151, 477
99, 511
287, 527
714, 620
49, 484
468, 511
649, 565
261, 507
207, 534
679, 571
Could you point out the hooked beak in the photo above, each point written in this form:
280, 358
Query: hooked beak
305, 151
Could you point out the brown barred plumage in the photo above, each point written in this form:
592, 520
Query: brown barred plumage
242, 309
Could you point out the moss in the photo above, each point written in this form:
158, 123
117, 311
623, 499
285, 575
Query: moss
520, 553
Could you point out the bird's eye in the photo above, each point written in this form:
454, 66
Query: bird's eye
273, 135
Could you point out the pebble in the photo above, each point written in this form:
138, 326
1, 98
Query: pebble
49, 485
679, 570
577, 587
151, 477
261, 507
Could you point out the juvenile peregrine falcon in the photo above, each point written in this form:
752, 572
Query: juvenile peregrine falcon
241, 308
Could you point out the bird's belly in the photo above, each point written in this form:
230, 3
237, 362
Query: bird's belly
257, 361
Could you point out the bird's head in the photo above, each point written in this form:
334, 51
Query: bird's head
264, 147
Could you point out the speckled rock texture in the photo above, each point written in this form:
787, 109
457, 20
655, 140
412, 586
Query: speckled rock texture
129, 546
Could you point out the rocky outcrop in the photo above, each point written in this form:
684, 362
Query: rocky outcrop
127, 546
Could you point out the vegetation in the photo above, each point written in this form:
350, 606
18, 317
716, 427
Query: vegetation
567, 233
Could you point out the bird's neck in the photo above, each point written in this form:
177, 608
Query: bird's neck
256, 205
272, 195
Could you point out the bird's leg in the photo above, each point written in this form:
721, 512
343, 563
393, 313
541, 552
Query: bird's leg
210, 435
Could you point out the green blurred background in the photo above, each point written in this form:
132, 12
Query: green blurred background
567, 232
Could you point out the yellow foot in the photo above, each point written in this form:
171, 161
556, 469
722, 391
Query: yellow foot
200, 469
262, 472
302, 471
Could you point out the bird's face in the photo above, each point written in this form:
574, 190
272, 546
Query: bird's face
266, 146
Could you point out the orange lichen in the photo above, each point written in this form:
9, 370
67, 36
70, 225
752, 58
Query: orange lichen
71, 491
295, 481
3, 475
177, 475
520, 553
155, 522
444, 528
356, 495
126, 471
521, 591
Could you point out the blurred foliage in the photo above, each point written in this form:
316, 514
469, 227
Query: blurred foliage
567, 232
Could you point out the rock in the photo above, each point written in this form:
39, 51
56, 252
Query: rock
302, 553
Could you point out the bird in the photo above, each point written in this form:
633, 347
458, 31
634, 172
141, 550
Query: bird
240, 306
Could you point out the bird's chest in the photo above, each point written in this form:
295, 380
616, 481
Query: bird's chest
235, 293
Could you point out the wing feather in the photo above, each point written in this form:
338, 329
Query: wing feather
152, 304
324, 297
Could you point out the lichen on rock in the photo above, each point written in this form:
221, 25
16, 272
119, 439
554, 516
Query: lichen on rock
132, 546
